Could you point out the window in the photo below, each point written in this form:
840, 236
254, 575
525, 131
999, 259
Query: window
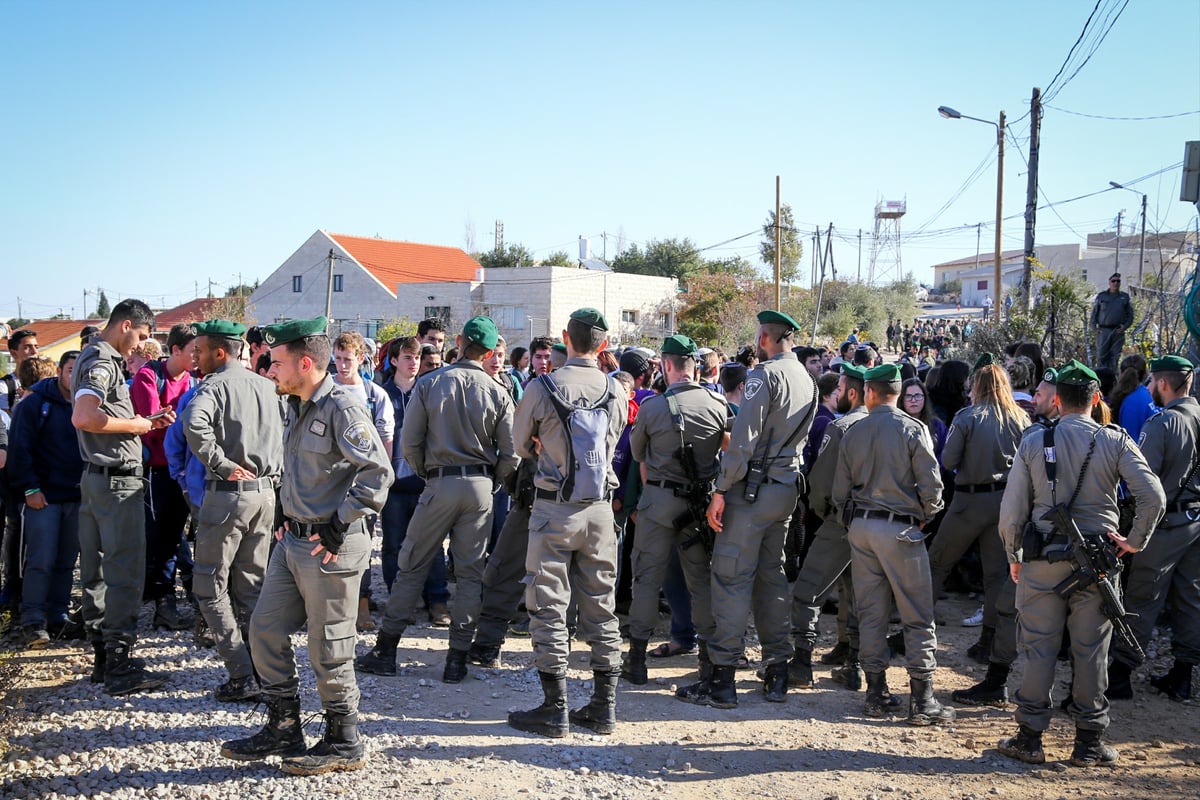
373, 327
981, 286
664, 320
337, 283
441, 312
297, 283
1085, 274
630, 317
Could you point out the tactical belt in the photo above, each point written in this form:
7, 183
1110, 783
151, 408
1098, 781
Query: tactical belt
1056, 544
890, 516
472, 469
302, 530
672, 485
1175, 508
121, 472
980, 488
552, 496
256, 485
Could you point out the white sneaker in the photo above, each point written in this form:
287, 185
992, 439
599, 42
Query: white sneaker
975, 620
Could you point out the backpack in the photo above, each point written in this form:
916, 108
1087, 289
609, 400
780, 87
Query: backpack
159, 368
587, 443
10, 385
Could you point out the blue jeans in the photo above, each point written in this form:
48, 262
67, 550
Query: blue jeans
676, 592
397, 513
51, 547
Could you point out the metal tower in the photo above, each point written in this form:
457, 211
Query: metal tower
885, 247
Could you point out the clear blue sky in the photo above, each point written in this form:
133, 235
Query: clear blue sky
148, 147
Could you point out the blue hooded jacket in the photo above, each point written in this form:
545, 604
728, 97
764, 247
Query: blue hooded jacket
43, 450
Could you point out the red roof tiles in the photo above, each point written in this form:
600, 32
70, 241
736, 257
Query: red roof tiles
393, 262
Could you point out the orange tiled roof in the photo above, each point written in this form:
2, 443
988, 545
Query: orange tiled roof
52, 331
191, 311
393, 262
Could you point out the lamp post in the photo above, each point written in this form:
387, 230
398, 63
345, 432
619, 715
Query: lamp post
950, 113
1142, 246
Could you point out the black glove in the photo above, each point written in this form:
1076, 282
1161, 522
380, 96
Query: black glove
332, 534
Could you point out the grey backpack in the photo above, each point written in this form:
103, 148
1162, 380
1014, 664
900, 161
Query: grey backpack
587, 443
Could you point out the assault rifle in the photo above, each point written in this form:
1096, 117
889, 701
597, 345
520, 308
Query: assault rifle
1095, 563
697, 493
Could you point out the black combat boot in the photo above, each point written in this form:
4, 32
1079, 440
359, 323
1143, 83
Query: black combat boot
775, 682
167, 616
981, 651
1120, 684
382, 658
698, 692
849, 675
1089, 751
633, 667
202, 636
339, 750
799, 669
837, 656
123, 675
456, 666
98, 662
600, 715
550, 718
1176, 684
1025, 746
923, 708
991, 691
238, 690
281, 736
484, 655
879, 701
722, 692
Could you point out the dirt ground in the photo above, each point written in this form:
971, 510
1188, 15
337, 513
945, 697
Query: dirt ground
431, 740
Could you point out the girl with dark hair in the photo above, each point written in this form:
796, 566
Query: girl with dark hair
948, 393
914, 401
1130, 401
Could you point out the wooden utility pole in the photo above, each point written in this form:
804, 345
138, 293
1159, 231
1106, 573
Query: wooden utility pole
997, 299
329, 290
1031, 192
860, 255
778, 245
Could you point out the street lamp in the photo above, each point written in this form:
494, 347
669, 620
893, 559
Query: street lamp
950, 113
1142, 247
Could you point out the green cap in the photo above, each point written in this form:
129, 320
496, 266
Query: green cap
853, 371
884, 372
559, 347
679, 345
482, 331
219, 327
985, 360
1170, 364
1073, 373
777, 318
285, 332
590, 316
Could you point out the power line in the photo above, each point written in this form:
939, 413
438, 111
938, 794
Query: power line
1124, 119
1110, 16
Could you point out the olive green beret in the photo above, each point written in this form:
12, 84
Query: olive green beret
219, 327
293, 330
984, 360
1171, 364
853, 371
482, 331
1073, 373
777, 318
679, 345
590, 316
559, 347
884, 372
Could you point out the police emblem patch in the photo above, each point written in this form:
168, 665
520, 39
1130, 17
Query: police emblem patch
98, 374
752, 387
358, 435
824, 444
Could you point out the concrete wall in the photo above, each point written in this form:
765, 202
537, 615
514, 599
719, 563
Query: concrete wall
413, 299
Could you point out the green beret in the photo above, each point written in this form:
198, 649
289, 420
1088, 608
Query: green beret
679, 345
1074, 373
482, 331
558, 347
985, 360
219, 327
853, 371
1171, 364
1050, 375
777, 318
590, 316
884, 372
293, 330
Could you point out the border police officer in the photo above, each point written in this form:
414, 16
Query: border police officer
1112, 314
335, 474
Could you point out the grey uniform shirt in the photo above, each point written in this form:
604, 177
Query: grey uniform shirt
1029, 494
458, 416
886, 463
579, 380
980, 446
1112, 309
235, 419
1168, 443
777, 403
655, 439
333, 458
99, 372
820, 477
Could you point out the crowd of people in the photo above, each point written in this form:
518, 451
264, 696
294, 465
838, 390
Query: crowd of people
245, 473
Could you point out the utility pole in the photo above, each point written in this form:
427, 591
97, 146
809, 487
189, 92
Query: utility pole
210, 287
997, 304
1142, 246
499, 235
778, 248
978, 234
85, 294
860, 255
329, 290
1031, 191
1117, 260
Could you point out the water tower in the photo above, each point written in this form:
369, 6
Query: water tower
885, 247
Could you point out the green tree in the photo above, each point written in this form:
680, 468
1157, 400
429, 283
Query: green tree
791, 245
559, 258
102, 307
244, 289
18, 322
394, 328
668, 258
511, 255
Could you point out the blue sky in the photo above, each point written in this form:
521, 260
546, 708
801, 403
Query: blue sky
151, 147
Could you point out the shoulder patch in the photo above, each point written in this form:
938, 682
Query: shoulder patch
753, 387
358, 436
824, 444
1142, 438
99, 373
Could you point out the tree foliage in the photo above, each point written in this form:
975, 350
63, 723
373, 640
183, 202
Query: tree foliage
559, 258
103, 309
394, 328
791, 245
511, 255
667, 258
